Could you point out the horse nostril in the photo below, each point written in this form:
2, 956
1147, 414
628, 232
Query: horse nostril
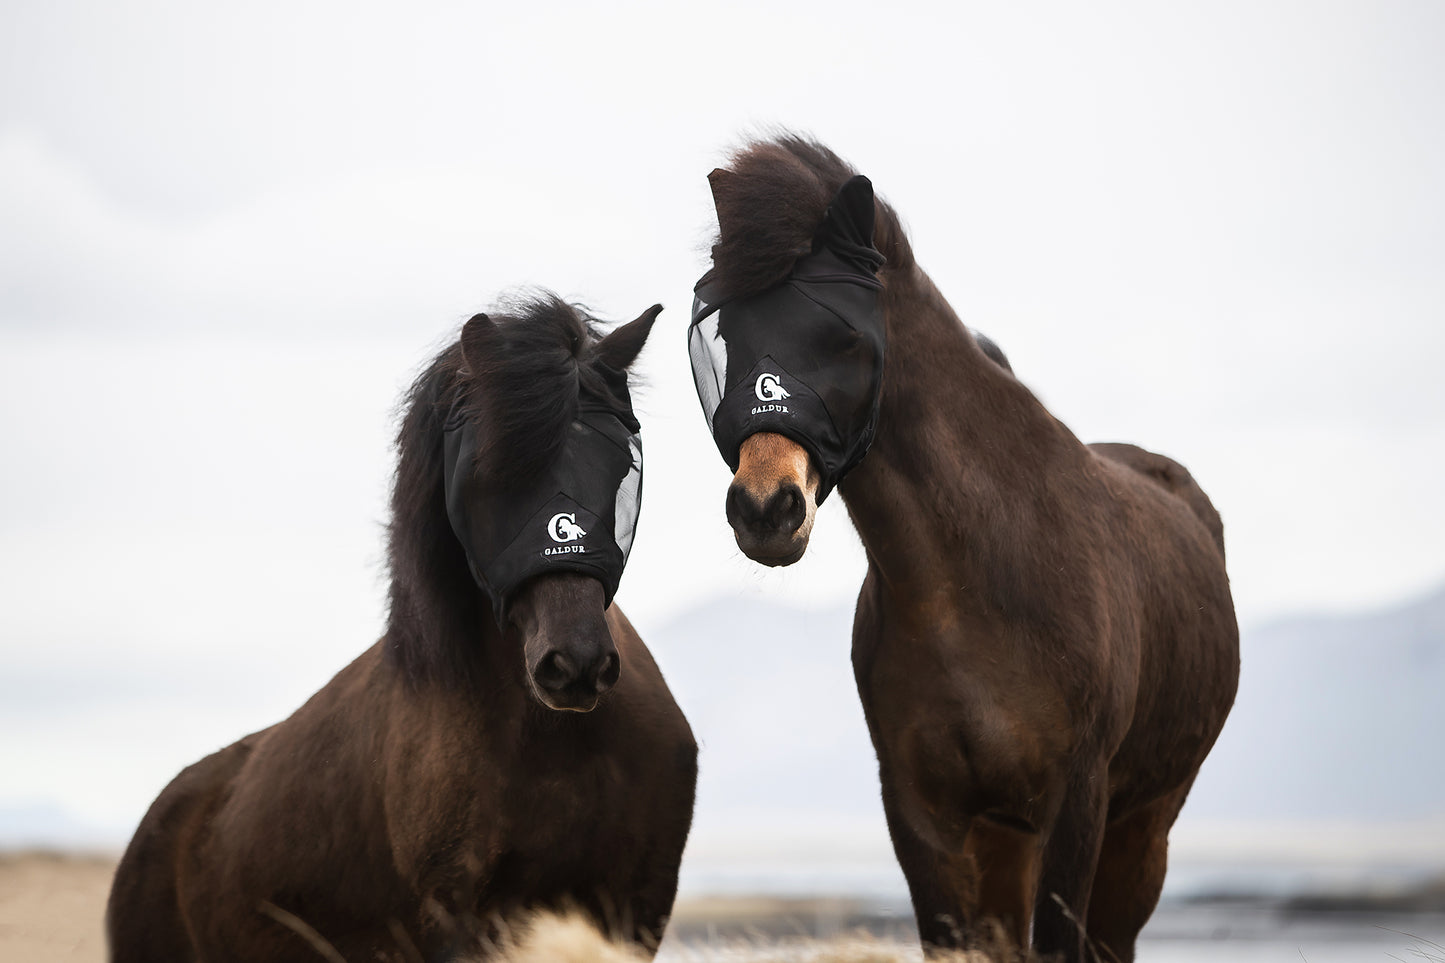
742, 510
611, 669
782, 514
555, 671
786, 509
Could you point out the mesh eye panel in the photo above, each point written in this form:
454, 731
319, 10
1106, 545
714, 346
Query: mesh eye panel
709, 357
580, 515
629, 500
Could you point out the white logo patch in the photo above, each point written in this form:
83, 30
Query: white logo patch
769, 388
564, 528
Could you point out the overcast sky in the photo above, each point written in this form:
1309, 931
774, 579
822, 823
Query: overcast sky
230, 234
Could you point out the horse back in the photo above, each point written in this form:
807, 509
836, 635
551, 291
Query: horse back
1169, 475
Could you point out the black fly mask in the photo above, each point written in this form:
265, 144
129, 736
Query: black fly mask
803, 359
578, 516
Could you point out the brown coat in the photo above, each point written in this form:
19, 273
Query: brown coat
430, 790
1044, 645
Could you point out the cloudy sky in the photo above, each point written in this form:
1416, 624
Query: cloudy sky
229, 236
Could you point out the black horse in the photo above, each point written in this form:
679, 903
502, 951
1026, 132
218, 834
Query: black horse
439, 783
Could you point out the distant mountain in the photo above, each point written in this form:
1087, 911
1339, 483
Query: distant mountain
769, 692
46, 825
1337, 718
787, 794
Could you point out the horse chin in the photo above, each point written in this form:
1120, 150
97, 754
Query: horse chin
564, 702
765, 552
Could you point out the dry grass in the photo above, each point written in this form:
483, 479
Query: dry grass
571, 939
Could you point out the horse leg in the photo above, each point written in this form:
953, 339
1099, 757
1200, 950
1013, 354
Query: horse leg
654, 887
1131, 870
1006, 861
937, 905
644, 913
1070, 856
958, 897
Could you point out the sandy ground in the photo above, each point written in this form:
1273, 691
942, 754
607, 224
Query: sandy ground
51, 907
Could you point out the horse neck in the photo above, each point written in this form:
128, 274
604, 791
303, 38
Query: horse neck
441, 629
437, 637
964, 463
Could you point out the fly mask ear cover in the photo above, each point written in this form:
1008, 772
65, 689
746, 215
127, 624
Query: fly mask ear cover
803, 359
578, 516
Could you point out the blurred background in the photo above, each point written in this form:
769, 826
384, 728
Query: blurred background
229, 236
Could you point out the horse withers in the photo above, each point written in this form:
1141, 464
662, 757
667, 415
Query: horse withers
508, 745
1044, 644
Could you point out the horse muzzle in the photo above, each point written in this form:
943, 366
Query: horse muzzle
772, 501
570, 656
575, 680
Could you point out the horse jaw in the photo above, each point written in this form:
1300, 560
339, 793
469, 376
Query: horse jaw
773, 499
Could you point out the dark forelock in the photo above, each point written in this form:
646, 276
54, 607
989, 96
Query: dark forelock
770, 202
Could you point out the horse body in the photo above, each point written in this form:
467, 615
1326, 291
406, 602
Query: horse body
375, 804
1044, 644
427, 793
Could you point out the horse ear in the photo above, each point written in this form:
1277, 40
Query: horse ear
720, 181
479, 336
850, 216
717, 178
620, 348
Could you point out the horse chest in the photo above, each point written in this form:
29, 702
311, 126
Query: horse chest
564, 806
962, 734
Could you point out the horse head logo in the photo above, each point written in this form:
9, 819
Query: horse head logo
768, 388
564, 528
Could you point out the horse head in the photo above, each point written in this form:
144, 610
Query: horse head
787, 355
543, 475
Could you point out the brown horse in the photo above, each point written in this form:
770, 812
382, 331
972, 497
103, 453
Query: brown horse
1045, 644
436, 785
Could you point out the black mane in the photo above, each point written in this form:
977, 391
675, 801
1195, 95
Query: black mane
523, 396
770, 201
